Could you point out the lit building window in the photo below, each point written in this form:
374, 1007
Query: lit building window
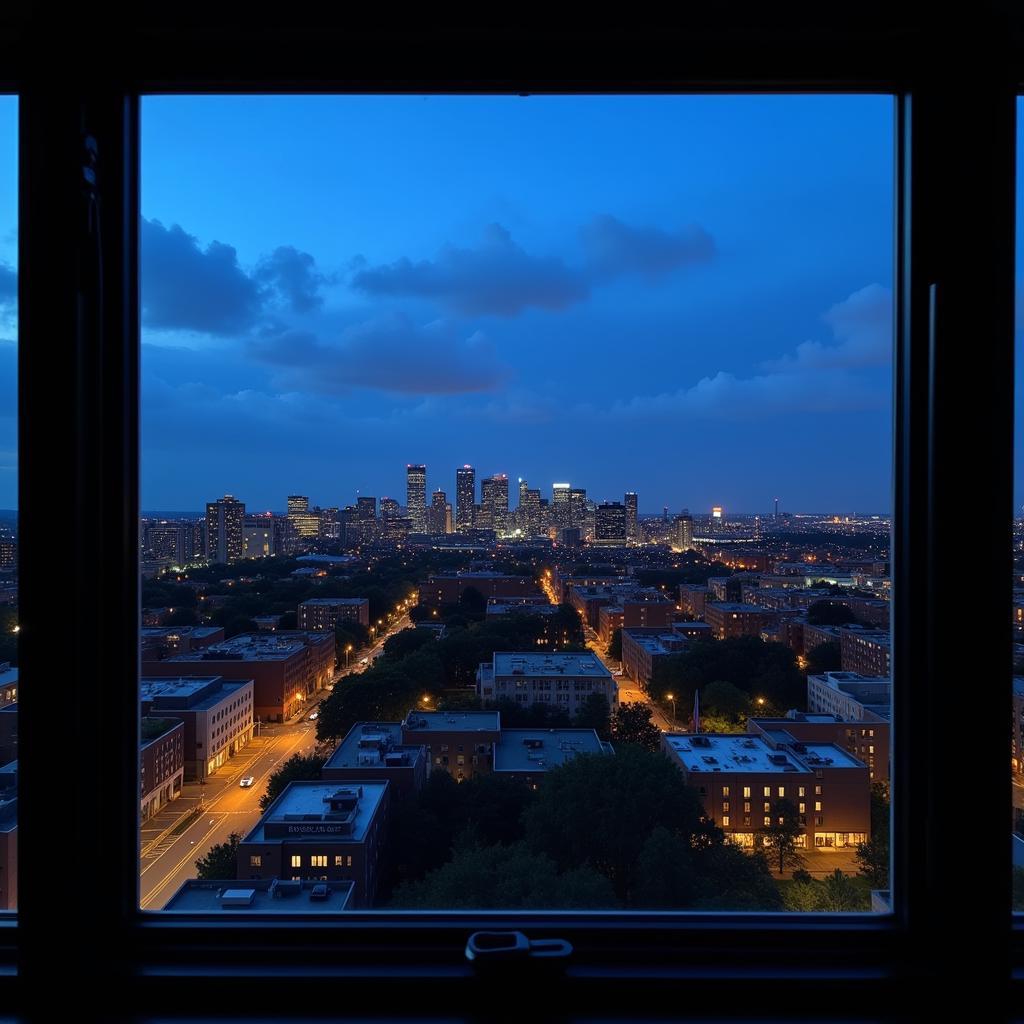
255, 861
767, 819
746, 792
725, 821
318, 860
767, 790
296, 860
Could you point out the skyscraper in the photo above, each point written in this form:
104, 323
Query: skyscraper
297, 503
438, 512
578, 506
684, 531
225, 531
529, 510
632, 530
610, 524
416, 497
465, 496
498, 492
560, 516
388, 509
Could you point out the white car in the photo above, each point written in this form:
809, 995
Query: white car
313, 717
246, 781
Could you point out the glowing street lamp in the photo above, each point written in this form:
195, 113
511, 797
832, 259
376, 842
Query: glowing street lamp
672, 697
348, 651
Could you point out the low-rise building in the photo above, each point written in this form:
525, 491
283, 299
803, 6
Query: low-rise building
527, 754
258, 896
738, 779
564, 680
866, 738
162, 766
448, 588
849, 695
323, 613
728, 619
159, 642
217, 714
458, 742
287, 667
8, 853
692, 599
321, 831
8, 684
374, 751
867, 651
642, 649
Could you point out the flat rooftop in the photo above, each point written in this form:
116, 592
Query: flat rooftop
453, 721
307, 802
326, 601
255, 647
577, 663
258, 896
367, 743
538, 750
508, 608
751, 754
197, 692
733, 607
177, 632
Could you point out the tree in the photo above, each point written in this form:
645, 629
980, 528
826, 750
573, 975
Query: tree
825, 657
838, 893
296, 769
873, 856
781, 835
221, 861
802, 896
505, 877
406, 642
472, 603
632, 723
615, 645
722, 698
599, 811
595, 713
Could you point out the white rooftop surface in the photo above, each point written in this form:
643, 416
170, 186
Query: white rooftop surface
198, 896
335, 600
739, 753
582, 663
452, 721
538, 750
308, 798
183, 686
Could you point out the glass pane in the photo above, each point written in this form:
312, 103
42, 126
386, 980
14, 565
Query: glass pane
8, 503
498, 550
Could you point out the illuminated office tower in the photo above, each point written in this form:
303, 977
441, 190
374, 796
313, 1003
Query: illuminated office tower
560, 516
416, 497
610, 524
632, 532
389, 509
757, 529
529, 510
438, 512
297, 504
717, 518
465, 496
578, 507
684, 531
225, 520
499, 504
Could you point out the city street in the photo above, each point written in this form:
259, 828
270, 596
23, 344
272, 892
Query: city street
170, 847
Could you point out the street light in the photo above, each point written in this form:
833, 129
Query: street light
348, 651
672, 697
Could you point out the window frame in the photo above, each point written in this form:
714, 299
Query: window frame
78, 453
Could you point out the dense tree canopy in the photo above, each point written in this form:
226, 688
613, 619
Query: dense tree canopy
296, 769
221, 861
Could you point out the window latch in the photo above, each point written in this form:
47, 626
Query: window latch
499, 947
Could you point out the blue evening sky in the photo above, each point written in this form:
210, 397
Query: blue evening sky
688, 297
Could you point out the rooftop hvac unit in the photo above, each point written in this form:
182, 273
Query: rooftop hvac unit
237, 897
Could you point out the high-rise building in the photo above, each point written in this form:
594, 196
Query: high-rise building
168, 540
438, 509
465, 496
297, 504
683, 540
560, 515
225, 529
610, 524
717, 518
389, 509
259, 538
529, 510
494, 502
632, 529
578, 507
416, 497
757, 529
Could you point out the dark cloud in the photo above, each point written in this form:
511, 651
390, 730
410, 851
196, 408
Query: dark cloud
388, 353
293, 275
614, 248
8, 285
816, 378
498, 277
187, 287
